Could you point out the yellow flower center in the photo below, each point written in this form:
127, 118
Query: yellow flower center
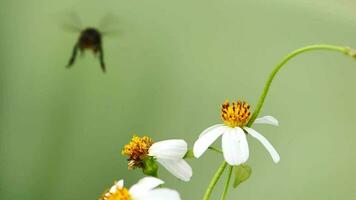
119, 194
137, 150
237, 114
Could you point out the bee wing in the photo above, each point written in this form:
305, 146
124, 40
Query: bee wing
70, 22
108, 25
111, 33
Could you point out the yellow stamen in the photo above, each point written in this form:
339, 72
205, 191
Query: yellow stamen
137, 150
118, 194
237, 114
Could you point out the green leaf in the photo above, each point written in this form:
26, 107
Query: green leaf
242, 173
189, 154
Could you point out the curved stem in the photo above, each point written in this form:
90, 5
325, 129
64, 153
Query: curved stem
226, 188
284, 61
215, 179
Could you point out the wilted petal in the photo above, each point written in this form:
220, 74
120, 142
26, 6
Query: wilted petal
235, 146
207, 138
265, 143
178, 167
168, 149
267, 120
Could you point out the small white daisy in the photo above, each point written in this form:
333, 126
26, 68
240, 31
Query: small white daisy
145, 189
168, 153
234, 143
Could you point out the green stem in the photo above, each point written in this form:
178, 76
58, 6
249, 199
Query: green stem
215, 149
284, 61
215, 179
226, 188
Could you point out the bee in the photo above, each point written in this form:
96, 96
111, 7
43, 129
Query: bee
89, 39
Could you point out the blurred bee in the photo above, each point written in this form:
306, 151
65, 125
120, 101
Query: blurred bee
89, 38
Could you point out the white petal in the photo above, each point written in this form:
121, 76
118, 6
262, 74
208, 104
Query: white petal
157, 194
265, 143
113, 189
178, 167
145, 184
210, 128
169, 149
235, 146
118, 185
207, 138
267, 120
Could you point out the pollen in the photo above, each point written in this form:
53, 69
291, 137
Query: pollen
137, 150
116, 193
237, 114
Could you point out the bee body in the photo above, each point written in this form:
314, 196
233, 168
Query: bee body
89, 39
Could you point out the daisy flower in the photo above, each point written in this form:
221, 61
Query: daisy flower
168, 153
145, 189
234, 131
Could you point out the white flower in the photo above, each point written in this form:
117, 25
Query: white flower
145, 189
234, 142
168, 153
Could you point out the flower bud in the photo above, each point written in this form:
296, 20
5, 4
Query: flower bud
150, 166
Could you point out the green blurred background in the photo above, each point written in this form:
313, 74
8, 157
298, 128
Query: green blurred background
170, 67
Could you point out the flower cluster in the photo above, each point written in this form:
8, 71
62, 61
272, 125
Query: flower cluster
144, 153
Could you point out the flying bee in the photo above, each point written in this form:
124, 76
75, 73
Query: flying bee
89, 39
